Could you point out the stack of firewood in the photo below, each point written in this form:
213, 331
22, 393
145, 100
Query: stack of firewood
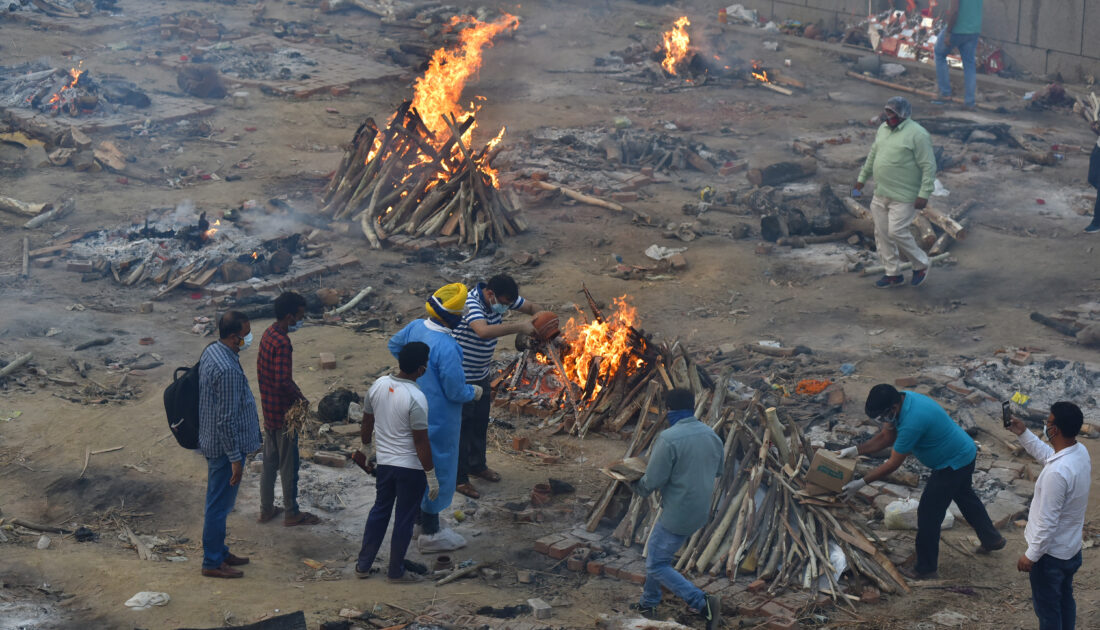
762, 522
404, 180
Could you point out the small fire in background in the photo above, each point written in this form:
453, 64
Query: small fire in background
207, 234
677, 44
760, 73
75, 73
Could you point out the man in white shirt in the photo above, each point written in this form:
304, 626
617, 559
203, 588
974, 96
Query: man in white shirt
1057, 515
395, 422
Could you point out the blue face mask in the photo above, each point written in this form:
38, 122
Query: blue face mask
247, 341
295, 326
500, 309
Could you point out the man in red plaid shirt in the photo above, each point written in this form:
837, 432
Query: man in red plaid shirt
278, 391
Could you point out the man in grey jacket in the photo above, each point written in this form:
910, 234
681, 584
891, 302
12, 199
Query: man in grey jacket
685, 460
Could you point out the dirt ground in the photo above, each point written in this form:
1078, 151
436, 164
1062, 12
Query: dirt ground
1020, 257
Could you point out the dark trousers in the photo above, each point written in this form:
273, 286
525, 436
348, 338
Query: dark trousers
220, 498
944, 486
405, 487
472, 439
280, 458
1094, 181
1052, 592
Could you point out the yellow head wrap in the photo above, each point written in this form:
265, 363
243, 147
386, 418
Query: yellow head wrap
447, 303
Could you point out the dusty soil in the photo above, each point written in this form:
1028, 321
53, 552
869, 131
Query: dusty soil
1020, 257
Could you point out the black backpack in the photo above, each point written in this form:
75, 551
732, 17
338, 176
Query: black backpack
181, 405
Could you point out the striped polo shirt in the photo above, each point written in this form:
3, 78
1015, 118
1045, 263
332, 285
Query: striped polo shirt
477, 353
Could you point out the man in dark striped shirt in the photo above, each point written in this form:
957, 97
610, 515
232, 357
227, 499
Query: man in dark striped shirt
477, 334
229, 429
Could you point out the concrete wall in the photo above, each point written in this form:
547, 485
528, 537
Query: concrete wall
1040, 36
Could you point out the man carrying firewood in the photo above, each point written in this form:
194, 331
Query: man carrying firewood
915, 424
685, 460
477, 335
1094, 179
904, 167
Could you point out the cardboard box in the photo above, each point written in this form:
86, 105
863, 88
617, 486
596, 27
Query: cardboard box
829, 471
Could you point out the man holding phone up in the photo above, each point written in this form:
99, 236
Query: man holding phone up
1057, 515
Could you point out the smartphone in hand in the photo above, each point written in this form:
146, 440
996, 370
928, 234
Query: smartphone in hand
1006, 415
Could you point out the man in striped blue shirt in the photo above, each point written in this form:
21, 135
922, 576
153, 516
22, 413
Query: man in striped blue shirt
229, 429
477, 334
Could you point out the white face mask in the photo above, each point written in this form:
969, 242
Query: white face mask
1046, 432
247, 341
500, 309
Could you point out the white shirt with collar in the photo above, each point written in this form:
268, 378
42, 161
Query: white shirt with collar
1057, 515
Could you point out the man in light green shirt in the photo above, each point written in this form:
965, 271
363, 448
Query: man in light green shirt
904, 167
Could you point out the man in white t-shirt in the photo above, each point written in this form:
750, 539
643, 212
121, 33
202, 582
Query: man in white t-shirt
395, 430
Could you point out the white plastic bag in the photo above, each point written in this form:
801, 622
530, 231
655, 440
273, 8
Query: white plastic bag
902, 514
147, 599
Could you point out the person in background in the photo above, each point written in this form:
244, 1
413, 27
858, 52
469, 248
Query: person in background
684, 462
964, 26
444, 386
1094, 179
477, 334
395, 431
915, 424
229, 429
278, 391
904, 167
1056, 519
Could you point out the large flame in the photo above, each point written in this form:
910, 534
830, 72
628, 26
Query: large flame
439, 90
75, 73
676, 43
609, 339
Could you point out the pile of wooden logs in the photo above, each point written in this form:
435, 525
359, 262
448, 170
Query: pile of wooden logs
933, 229
761, 521
402, 180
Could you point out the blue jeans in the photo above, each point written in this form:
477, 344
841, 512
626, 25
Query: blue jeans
220, 497
968, 47
405, 486
659, 572
1052, 592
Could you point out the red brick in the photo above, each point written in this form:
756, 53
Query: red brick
595, 567
633, 573
836, 396
578, 560
752, 606
339, 90
1020, 357
647, 171
959, 388
779, 622
870, 595
542, 545
328, 361
716, 586
756, 586
521, 443
677, 261
564, 547
906, 381
612, 568
624, 197
80, 266
775, 609
731, 168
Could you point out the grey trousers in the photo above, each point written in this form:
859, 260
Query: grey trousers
281, 458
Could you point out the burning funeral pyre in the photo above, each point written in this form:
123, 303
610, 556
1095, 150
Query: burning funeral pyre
70, 92
420, 175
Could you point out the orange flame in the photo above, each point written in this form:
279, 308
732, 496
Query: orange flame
438, 91
759, 73
676, 42
609, 339
75, 74
214, 230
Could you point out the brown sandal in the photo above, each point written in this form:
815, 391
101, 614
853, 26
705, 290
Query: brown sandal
304, 518
468, 490
268, 516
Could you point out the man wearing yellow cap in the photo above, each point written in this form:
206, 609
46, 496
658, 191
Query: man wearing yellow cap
444, 386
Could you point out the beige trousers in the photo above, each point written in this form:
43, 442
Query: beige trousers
892, 221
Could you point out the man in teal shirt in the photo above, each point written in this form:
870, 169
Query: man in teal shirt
916, 424
904, 167
964, 24
685, 460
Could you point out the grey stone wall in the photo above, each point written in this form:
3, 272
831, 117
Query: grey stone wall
1040, 36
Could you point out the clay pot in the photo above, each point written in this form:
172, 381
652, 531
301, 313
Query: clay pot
546, 325
540, 494
443, 563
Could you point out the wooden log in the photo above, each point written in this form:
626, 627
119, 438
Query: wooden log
1049, 322
872, 270
772, 420
796, 241
775, 88
855, 208
26, 257
578, 196
945, 223
904, 88
14, 206
457, 573
38, 527
944, 241
926, 236
16, 363
781, 172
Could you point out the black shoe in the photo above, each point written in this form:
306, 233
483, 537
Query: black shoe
919, 276
889, 282
988, 549
649, 612
1092, 228
713, 612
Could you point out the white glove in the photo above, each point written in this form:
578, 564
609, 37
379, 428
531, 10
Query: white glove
433, 484
368, 450
852, 488
479, 391
851, 451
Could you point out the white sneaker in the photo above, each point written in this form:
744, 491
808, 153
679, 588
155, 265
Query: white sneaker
444, 540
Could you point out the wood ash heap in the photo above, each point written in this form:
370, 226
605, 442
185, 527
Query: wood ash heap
73, 92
